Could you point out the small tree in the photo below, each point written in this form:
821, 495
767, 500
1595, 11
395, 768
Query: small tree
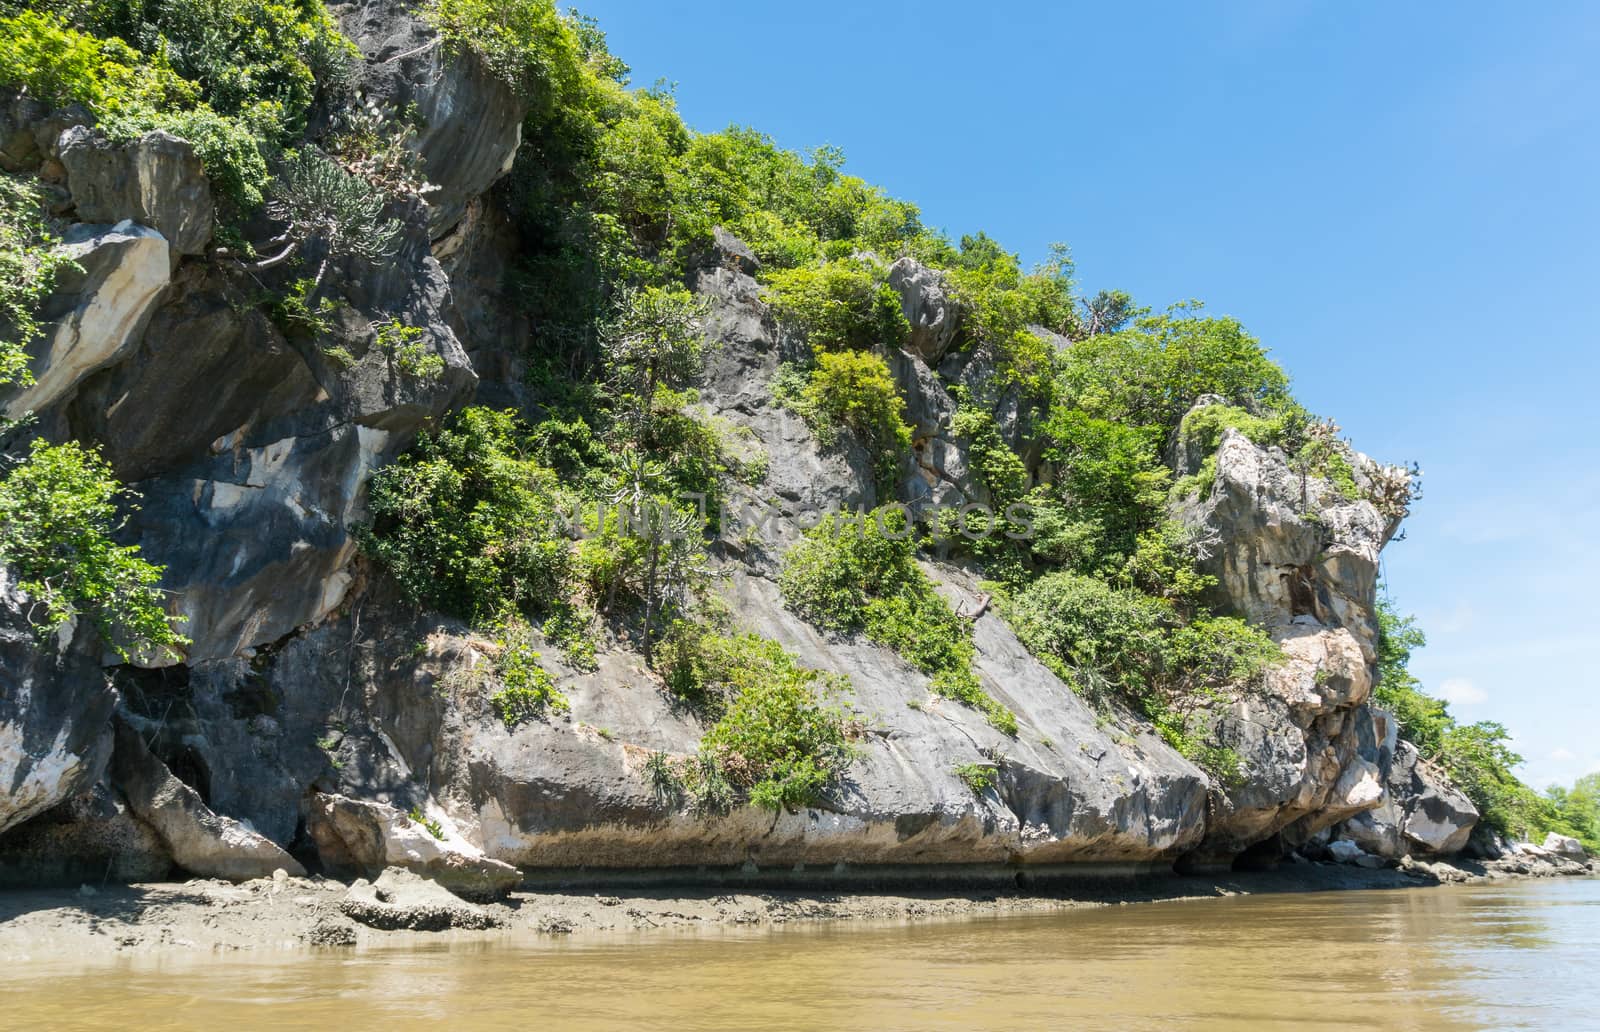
58, 512
654, 341
319, 200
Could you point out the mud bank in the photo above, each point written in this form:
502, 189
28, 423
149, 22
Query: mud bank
297, 914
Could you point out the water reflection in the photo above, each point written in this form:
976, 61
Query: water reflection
1523, 956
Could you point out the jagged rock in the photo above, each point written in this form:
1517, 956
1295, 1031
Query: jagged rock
403, 900
155, 181
200, 841
54, 703
203, 341
1285, 547
1300, 559
352, 835
1565, 846
95, 315
248, 498
469, 122
726, 251
1421, 813
933, 313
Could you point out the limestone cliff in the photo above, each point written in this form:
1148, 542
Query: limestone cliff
305, 695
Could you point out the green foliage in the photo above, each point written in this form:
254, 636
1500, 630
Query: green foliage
1103, 639
408, 347
1577, 810
979, 777
853, 390
1151, 375
59, 510
779, 734
840, 304
858, 572
526, 690
236, 78
466, 524
526, 43
29, 265
429, 824
295, 313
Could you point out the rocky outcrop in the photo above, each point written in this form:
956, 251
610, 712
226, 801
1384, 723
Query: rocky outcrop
156, 181
1422, 813
929, 307
199, 840
1292, 554
468, 122
98, 311
54, 704
365, 838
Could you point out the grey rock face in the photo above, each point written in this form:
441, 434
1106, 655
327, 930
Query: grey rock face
54, 704
156, 181
929, 307
96, 313
199, 840
470, 122
252, 451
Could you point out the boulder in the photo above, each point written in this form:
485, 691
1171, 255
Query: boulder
1565, 846
156, 181
96, 313
365, 838
469, 123
403, 900
54, 703
204, 843
929, 307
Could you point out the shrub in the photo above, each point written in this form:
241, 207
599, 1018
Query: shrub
853, 390
841, 304
780, 737
407, 347
526, 43
316, 199
858, 572
58, 512
526, 688
467, 525
29, 264
1103, 640
979, 777
51, 60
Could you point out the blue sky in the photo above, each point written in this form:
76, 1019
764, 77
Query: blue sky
1402, 201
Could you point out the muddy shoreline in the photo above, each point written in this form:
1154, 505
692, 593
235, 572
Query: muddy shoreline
299, 914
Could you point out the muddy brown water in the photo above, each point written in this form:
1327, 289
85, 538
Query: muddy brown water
1477, 957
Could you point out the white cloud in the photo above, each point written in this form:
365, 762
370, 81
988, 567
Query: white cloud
1563, 755
1458, 691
